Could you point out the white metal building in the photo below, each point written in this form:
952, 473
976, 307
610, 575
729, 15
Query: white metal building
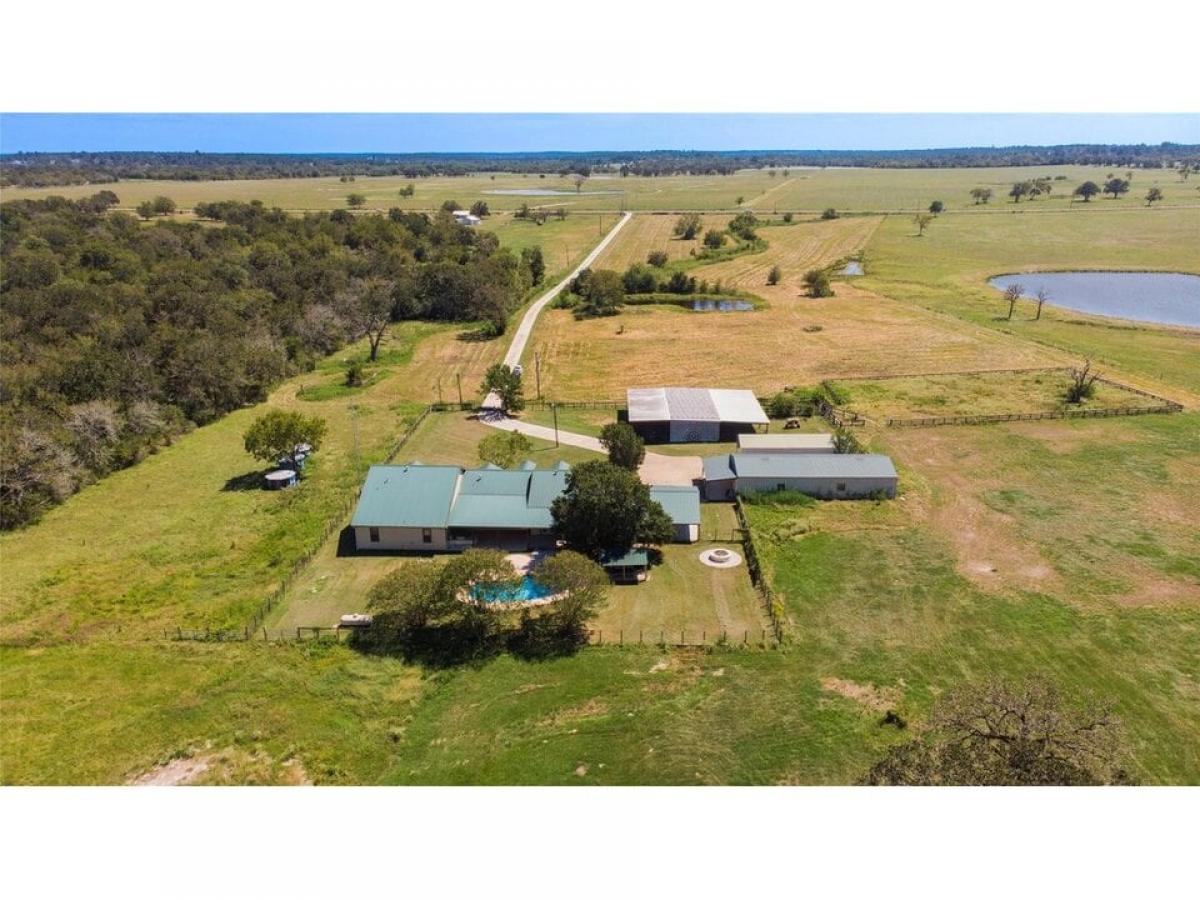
688, 415
831, 476
785, 442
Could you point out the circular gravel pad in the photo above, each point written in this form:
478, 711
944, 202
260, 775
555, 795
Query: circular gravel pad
720, 558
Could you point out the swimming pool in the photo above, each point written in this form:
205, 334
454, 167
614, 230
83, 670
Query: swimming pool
528, 591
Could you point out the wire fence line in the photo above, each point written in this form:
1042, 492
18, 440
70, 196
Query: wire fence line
1170, 407
771, 602
667, 637
255, 623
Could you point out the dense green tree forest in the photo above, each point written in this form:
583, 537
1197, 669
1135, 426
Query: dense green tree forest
118, 334
44, 169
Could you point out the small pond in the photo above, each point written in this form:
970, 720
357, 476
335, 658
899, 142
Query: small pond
722, 305
854, 267
546, 192
1166, 298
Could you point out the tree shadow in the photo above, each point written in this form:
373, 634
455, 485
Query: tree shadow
540, 638
248, 481
441, 646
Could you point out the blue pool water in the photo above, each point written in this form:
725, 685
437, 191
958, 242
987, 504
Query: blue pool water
529, 589
1167, 297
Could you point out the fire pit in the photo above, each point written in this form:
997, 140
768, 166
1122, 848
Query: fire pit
720, 558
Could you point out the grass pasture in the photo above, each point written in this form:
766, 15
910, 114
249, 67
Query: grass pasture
646, 233
946, 271
976, 394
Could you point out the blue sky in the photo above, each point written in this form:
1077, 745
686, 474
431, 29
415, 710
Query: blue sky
398, 133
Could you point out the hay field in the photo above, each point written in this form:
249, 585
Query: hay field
795, 249
857, 332
647, 233
801, 190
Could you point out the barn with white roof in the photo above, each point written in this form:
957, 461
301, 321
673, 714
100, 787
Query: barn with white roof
665, 415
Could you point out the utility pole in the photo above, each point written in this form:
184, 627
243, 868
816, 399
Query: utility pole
537, 371
439, 390
554, 406
458, 378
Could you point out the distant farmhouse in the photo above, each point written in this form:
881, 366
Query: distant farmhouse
690, 415
826, 475
442, 509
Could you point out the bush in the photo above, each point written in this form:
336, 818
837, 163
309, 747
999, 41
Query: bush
774, 275
829, 213
818, 284
787, 218
354, 374
657, 258
713, 239
639, 280
743, 225
791, 402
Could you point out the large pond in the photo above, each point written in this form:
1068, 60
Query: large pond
1167, 298
546, 192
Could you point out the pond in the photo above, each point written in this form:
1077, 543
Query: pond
853, 268
1166, 298
546, 192
721, 305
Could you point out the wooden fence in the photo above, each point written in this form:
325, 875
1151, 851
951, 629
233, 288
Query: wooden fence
771, 602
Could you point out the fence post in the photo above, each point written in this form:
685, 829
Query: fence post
621, 638
297, 632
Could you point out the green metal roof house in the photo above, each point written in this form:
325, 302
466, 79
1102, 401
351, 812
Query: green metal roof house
448, 508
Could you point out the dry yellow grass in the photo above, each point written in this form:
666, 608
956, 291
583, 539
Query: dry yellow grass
767, 349
861, 333
646, 233
795, 249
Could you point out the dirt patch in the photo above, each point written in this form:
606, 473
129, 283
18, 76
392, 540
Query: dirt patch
878, 700
182, 770
988, 544
658, 468
231, 766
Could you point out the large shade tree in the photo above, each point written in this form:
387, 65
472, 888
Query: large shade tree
607, 508
276, 434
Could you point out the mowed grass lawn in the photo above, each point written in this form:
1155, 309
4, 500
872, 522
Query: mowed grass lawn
685, 601
946, 271
987, 393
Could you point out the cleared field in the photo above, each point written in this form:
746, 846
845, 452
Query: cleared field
947, 271
564, 242
647, 233
801, 190
989, 393
795, 340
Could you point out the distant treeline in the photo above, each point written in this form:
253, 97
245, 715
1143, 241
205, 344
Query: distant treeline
46, 169
116, 335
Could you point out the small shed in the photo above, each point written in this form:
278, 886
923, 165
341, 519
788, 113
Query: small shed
682, 504
795, 442
626, 567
